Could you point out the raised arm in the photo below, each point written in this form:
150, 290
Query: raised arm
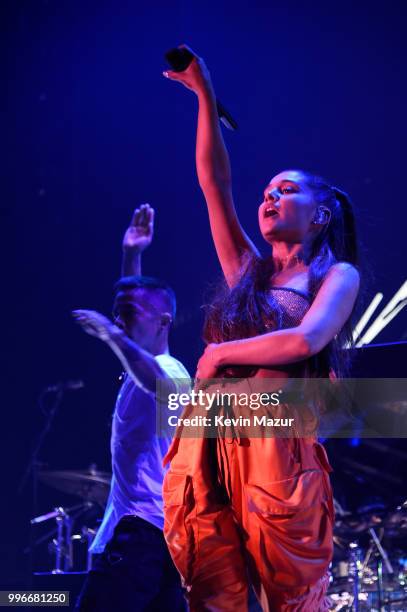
137, 237
214, 173
138, 363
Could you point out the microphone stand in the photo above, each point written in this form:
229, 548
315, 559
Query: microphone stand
34, 463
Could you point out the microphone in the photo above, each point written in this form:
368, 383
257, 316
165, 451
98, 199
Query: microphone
69, 385
179, 60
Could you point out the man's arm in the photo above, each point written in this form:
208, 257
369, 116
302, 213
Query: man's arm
138, 363
137, 237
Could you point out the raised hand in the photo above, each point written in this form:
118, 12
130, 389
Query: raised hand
96, 324
140, 232
196, 77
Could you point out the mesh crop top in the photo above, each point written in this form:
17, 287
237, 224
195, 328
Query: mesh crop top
292, 303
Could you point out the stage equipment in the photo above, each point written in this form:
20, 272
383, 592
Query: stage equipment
366, 576
90, 485
62, 542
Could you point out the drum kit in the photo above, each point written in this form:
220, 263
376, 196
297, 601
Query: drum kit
365, 575
70, 550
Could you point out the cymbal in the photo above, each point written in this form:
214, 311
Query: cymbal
394, 522
356, 524
88, 485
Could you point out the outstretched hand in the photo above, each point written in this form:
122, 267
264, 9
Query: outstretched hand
140, 232
196, 77
96, 324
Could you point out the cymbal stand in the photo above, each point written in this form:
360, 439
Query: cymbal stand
62, 545
381, 557
89, 536
60, 551
354, 572
63, 541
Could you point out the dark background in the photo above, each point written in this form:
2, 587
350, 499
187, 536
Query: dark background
92, 129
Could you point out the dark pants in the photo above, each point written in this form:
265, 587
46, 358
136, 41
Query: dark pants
135, 573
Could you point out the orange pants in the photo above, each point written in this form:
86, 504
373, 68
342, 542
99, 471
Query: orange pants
256, 510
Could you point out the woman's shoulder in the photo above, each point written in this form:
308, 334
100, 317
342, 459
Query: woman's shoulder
345, 273
344, 267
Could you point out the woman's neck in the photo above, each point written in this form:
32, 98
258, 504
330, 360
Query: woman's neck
287, 256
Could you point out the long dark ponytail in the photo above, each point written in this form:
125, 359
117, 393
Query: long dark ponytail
247, 309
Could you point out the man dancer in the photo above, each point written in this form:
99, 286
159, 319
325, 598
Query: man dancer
132, 568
